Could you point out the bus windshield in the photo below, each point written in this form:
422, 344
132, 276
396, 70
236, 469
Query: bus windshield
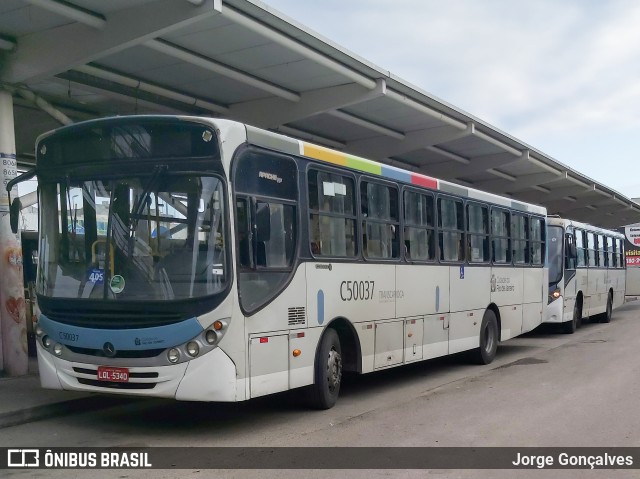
555, 241
157, 236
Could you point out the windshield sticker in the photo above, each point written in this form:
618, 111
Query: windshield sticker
117, 284
96, 276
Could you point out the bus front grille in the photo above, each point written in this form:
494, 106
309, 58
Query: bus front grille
115, 385
125, 353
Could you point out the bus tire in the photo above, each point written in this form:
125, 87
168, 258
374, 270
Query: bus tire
488, 339
570, 327
327, 376
606, 317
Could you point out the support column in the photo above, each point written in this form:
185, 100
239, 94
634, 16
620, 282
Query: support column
13, 326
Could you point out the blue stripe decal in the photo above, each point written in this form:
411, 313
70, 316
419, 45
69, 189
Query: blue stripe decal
158, 337
320, 306
396, 174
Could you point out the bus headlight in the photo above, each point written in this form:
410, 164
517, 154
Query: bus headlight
173, 355
193, 349
554, 295
199, 345
46, 341
57, 349
39, 331
210, 337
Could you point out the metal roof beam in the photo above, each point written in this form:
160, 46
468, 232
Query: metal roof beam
41, 103
273, 112
427, 110
268, 32
151, 88
140, 102
383, 130
449, 155
382, 148
554, 194
476, 164
520, 183
73, 12
53, 51
207, 63
498, 143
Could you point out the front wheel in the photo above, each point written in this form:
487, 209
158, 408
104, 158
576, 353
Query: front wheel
606, 317
488, 339
323, 393
570, 327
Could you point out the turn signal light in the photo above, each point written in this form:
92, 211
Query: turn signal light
296, 353
217, 325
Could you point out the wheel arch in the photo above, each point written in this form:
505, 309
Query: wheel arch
349, 343
494, 307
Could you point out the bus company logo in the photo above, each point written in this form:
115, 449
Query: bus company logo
23, 458
390, 295
324, 266
137, 342
501, 284
269, 176
109, 350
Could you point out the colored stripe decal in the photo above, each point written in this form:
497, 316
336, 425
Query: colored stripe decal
324, 154
367, 166
422, 180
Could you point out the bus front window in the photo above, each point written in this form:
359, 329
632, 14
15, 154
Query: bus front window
137, 238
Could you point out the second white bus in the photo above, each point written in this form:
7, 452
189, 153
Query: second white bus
587, 275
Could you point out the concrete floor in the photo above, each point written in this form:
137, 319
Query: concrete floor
544, 389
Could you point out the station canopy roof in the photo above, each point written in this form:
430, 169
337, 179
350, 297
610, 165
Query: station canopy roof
241, 59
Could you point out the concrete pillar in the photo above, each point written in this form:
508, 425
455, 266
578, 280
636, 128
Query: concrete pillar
13, 327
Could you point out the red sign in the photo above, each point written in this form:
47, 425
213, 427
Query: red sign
118, 375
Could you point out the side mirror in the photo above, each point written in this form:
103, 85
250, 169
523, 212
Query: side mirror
14, 214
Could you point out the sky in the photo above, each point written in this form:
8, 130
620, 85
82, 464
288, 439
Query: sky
560, 75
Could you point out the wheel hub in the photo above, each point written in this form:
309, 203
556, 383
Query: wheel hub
334, 370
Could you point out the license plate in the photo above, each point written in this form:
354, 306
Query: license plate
118, 375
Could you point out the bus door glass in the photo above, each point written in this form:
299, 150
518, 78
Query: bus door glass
266, 187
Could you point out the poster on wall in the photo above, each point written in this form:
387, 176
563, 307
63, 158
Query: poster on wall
632, 245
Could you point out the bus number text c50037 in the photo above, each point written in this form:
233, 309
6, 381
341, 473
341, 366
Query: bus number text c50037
356, 290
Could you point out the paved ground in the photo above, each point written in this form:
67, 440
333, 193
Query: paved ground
544, 389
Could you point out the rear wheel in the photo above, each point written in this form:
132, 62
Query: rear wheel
323, 393
570, 326
488, 339
606, 317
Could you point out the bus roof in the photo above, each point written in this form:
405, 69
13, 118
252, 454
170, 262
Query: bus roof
565, 223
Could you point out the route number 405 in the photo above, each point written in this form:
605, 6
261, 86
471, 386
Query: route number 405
96, 276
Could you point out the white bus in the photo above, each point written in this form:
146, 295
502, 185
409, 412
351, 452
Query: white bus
220, 262
587, 272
